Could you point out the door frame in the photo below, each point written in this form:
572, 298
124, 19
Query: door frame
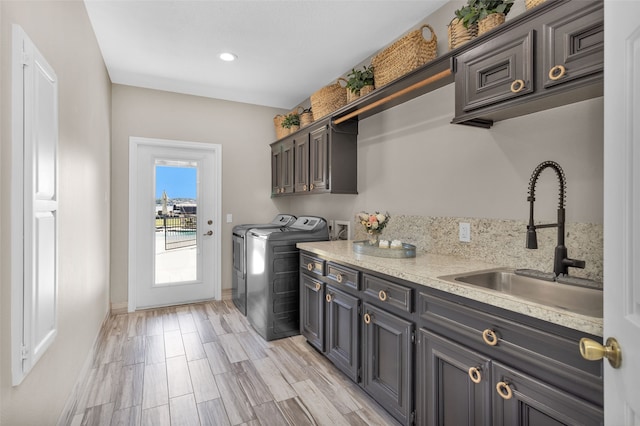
134, 144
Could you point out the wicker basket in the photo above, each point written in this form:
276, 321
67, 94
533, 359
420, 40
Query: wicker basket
328, 99
459, 34
352, 96
281, 132
490, 22
367, 89
404, 55
306, 117
530, 4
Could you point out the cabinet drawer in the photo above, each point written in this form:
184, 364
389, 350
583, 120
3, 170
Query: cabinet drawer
545, 354
388, 293
496, 73
340, 276
312, 265
574, 44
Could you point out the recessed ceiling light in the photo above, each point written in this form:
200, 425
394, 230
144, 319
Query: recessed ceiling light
228, 56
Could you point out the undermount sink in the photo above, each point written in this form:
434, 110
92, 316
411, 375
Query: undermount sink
581, 300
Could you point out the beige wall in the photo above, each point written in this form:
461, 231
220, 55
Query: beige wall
62, 32
243, 130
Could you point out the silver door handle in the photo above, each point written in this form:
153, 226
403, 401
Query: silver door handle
209, 233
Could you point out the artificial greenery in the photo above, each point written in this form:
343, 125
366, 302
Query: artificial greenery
476, 10
357, 79
291, 120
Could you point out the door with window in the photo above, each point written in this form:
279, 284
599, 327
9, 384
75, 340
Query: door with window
174, 211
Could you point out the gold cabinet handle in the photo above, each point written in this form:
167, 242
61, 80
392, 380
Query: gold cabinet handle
504, 390
304, 187
557, 72
490, 338
310, 267
367, 318
277, 190
282, 190
339, 277
517, 86
382, 295
328, 298
311, 187
474, 374
594, 351
318, 286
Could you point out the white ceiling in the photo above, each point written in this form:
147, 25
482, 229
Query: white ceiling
286, 49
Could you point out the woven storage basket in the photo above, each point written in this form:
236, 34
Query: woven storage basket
529, 4
281, 132
459, 35
352, 96
404, 55
367, 89
490, 22
328, 99
306, 117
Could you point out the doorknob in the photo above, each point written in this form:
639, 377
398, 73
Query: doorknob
210, 232
594, 351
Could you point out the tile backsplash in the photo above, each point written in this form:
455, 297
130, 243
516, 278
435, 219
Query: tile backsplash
501, 242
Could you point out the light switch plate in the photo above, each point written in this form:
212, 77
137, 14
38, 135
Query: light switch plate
229, 218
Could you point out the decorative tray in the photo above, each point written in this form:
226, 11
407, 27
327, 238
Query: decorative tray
364, 247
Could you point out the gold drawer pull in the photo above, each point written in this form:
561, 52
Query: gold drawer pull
367, 318
282, 190
304, 187
382, 295
310, 266
489, 337
328, 298
557, 72
311, 187
504, 390
277, 190
474, 375
318, 286
517, 86
339, 277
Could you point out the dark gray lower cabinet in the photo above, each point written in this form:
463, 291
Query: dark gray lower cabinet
341, 332
447, 392
387, 361
312, 310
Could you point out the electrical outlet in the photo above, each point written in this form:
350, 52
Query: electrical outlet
465, 232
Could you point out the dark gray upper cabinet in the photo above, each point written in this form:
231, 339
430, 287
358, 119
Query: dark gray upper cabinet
554, 59
323, 159
282, 167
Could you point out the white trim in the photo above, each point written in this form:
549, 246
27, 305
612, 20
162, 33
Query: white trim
134, 144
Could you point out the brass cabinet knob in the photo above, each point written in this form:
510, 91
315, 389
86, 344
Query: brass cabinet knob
304, 187
282, 190
557, 72
311, 187
489, 336
594, 351
318, 286
367, 318
339, 277
474, 374
517, 86
328, 297
382, 295
504, 390
310, 266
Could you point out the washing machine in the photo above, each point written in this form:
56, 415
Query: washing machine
239, 274
273, 273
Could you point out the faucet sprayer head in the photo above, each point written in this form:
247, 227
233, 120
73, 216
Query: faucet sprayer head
532, 238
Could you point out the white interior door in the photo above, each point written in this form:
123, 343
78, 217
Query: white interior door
622, 209
174, 223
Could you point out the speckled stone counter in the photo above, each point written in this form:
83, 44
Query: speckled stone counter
425, 268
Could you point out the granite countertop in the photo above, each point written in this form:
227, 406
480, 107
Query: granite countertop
425, 268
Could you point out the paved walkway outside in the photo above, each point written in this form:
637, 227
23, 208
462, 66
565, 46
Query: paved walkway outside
175, 265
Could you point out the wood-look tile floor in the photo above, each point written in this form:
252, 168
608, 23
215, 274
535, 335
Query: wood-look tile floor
203, 364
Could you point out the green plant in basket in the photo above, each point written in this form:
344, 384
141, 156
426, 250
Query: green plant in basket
290, 121
357, 79
476, 10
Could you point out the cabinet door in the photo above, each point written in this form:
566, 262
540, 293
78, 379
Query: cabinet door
496, 72
312, 310
453, 385
522, 400
276, 167
287, 166
318, 160
388, 361
301, 168
574, 45
342, 337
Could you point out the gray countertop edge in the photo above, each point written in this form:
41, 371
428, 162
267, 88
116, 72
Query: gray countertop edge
425, 268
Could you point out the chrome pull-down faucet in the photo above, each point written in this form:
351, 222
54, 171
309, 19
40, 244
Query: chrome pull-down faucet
561, 261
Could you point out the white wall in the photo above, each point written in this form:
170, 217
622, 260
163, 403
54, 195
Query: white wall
243, 130
62, 32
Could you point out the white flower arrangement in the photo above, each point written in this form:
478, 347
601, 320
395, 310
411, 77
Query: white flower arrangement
373, 223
